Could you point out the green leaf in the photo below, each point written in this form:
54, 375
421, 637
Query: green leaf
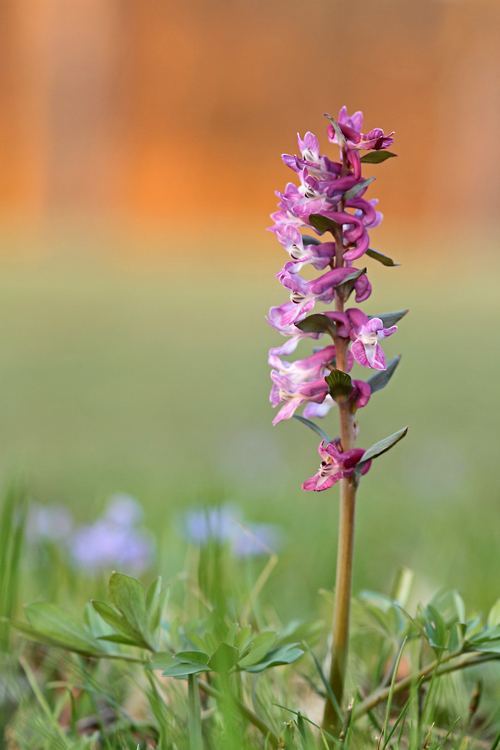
192, 657
378, 450
153, 604
345, 288
353, 192
457, 637
127, 595
435, 627
229, 639
114, 638
279, 656
323, 224
308, 240
262, 644
340, 385
161, 660
318, 323
377, 157
314, 427
340, 136
224, 658
117, 621
34, 635
55, 623
182, 669
197, 641
494, 615
297, 631
380, 379
389, 319
243, 638
384, 259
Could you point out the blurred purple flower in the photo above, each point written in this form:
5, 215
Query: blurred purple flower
114, 540
49, 523
224, 525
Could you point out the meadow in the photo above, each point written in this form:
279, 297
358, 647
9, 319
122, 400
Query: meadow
152, 379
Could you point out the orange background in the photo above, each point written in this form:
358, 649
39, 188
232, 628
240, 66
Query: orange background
155, 112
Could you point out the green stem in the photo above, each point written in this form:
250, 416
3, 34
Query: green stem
194, 714
244, 711
425, 674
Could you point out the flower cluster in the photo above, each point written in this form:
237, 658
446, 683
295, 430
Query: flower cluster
330, 197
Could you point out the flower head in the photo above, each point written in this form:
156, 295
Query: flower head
335, 465
293, 395
366, 350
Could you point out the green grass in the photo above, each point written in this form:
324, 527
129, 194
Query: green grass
155, 382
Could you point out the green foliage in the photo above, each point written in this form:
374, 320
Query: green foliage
354, 191
379, 380
378, 449
384, 259
340, 385
318, 323
324, 224
346, 287
377, 157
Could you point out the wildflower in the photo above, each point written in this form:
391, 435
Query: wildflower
335, 465
318, 255
366, 350
304, 294
294, 394
309, 368
115, 539
224, 525
356, 140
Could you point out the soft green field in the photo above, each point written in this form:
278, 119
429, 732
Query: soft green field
155, 382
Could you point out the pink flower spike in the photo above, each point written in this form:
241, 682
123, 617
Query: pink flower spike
366, 350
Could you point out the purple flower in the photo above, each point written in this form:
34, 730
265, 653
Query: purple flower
366, 350
294, 394
224, 525
309, 368
304, 294
335, 465
277, 319
114, 540
356, 140
319, 256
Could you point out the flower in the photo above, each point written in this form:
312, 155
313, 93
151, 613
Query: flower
278, 317
360, 395
356, 140
224, 525
294, 394
366, 350
115, 539
318, 255
309, 368
304, 294
335, 465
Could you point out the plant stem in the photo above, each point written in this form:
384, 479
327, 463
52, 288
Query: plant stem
381, 694
244, 711
194, 714
345, 553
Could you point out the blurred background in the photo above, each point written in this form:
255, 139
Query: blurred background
140, 147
